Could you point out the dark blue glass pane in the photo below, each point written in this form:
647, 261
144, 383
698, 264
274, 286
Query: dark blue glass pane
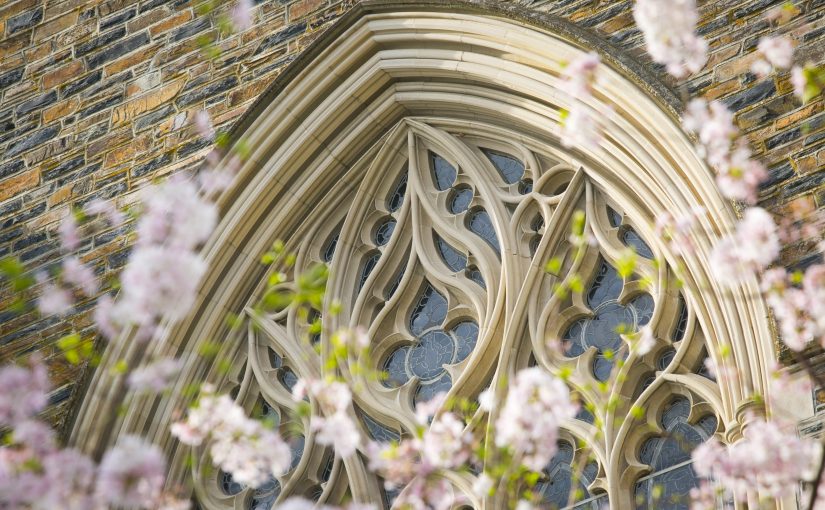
475, 275
643, 304
466, 334
681, 324
316, 493
389, 496
296, 444
288, 378
602, 368
534, 244
585, 416
228, 484
708, 425
525, 186
614, 217
460, 199
678, 409
558, 478
268, 413
264, 496
481, 225
396, 368
509, 167
674, 490
602, 331
274, 359
607, 285
378, 431
443, 172
434, 349
429, 312
455, 261
329, 249
312, 317
395, 283
632, 239
397, 196
676, 447
665, 358
426, 392
384, 232
648, 450
537, 224
327, 471
369, 265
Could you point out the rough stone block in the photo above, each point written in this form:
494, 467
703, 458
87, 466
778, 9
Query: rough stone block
33, 140
118, 50
24, 21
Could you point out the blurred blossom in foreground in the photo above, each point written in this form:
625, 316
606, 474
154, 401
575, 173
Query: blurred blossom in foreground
239, 445
669, 28
579, 125
775, 53
753, 246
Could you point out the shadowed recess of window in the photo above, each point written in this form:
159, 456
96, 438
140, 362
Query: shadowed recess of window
267, 413
384, 232
329, 249
669, 458
525, 186
508, 167
481, 225
681, 324
379, 431
228, 484
454, 260
367, 268
313, 321
396, 198
288, 378
326, 472
395, 283
474, 274
444, 173
264, 496
614, 217
460, 199
610, 319
632, 239
275, 360
557, 479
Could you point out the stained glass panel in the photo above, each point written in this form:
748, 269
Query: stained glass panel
455, 261
396, 198
384, 232
482, 225
508, 167
444, 173
460, 199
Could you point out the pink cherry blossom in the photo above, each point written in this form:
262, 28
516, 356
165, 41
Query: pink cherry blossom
68, 233
535, 406
768, 459
669, 28
799, 81
579, 76
775, 52
239, 445
80, 275
580, 129
242, 15
99, 207
131, 474
753, 246
156, 376
203, 124
54, 300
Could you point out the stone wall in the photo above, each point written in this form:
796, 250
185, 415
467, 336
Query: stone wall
96, 97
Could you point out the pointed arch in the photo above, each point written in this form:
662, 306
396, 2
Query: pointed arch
332, 138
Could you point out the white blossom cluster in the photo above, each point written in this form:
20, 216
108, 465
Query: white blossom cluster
669, 28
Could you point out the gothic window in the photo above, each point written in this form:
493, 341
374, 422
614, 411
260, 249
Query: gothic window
442, 258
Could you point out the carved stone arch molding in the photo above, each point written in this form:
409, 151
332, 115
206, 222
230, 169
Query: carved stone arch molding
415, 148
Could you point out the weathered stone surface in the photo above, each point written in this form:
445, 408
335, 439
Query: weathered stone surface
14, 185
284, 35
36, 103
190, 29
751, 96
78, 85
10, 77
24, 21
118, 18
99, 42
8, 168
147, 102
56, 25
33, 140
116, 50
211, 89
63, 74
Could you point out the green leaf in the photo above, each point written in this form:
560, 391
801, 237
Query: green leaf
553, 266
